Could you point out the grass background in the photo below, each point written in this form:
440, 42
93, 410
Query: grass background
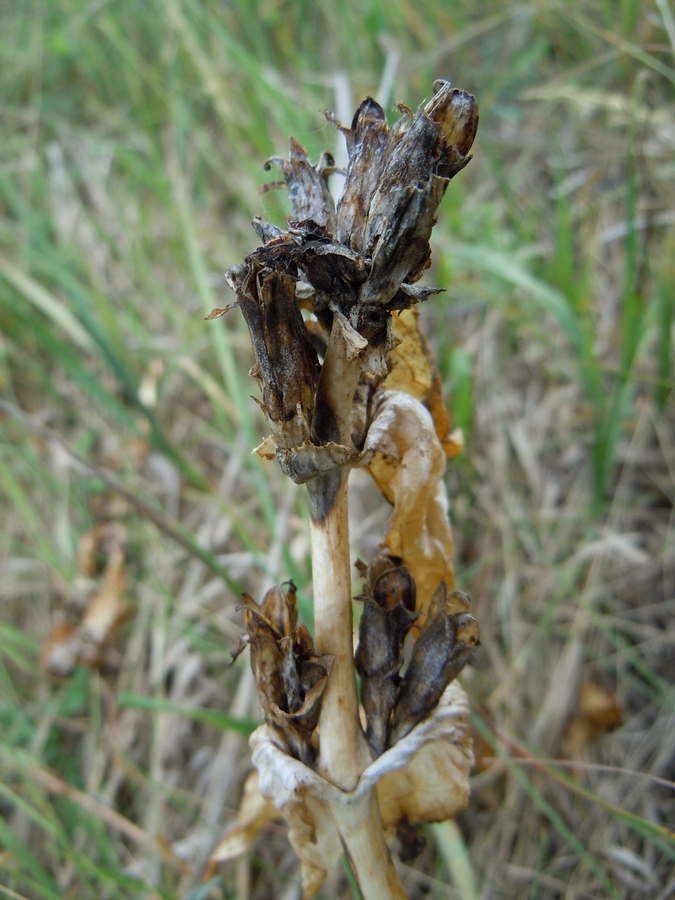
131, 150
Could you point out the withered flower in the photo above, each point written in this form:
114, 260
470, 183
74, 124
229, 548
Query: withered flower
445, 645
358, 265
388, 615
289, 675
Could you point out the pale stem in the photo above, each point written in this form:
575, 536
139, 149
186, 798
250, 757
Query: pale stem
343, 752
341, 761
362, 836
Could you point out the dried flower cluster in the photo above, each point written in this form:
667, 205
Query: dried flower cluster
347, 379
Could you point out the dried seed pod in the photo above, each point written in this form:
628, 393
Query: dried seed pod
387, 617
280, 607
445, 645
368, 146
304, 676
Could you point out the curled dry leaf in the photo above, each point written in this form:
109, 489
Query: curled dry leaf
407, 461
307, 185
412, 369
423, 778
254, 813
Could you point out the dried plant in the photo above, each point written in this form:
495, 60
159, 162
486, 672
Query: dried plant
329, 307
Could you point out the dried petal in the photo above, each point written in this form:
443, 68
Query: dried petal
307, 185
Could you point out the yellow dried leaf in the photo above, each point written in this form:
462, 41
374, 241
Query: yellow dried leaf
407, 461
217, 313
432, 788
412, 369
266, 449
108, 609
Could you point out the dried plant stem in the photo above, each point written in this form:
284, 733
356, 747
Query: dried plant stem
363, 838
343, 752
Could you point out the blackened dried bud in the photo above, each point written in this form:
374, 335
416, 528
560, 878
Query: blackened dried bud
286, 362
378, 565
307, 185
403, 210
387, 618
445, 645
289, 675
395, 586
330, 267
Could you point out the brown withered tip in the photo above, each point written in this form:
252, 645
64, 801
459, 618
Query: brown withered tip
456, 112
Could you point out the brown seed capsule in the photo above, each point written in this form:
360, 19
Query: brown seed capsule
286, 362
403, 209
368, 146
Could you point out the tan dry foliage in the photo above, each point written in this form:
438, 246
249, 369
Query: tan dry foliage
423, 778
413, 370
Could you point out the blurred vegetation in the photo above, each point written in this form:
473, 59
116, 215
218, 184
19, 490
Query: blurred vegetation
131, 152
